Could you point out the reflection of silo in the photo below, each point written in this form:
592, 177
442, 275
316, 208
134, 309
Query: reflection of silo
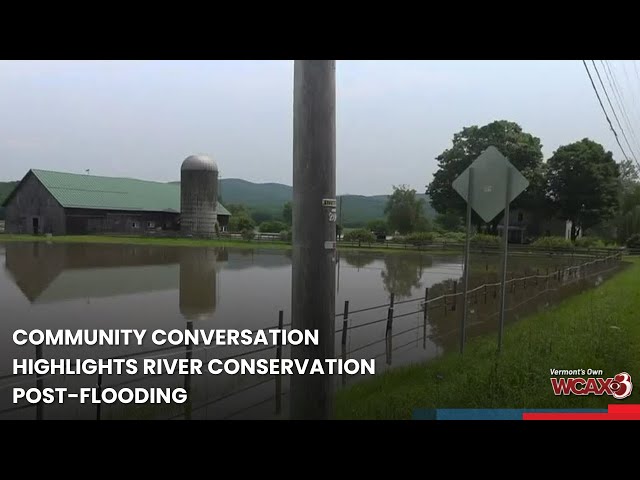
197, 283
198, 195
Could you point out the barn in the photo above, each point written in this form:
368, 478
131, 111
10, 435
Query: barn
74, 204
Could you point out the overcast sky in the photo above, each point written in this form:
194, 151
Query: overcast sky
142, 118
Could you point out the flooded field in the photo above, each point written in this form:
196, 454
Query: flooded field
73, 286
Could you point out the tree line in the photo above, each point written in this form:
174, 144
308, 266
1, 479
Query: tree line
580, 182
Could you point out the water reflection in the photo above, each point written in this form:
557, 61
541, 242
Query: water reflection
357, 259
403, 273
119, 286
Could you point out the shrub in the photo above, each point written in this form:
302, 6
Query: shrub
589, 242
420, 238
633, 241
285, 235
552, 242
272, 226
451, 237
238, 223
248, 235
360, 235
484, 239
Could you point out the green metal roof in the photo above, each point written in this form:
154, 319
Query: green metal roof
74, 190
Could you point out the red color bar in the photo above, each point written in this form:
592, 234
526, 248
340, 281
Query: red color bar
580, 416
614, 412
622, 408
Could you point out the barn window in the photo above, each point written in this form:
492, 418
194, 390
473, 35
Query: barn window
520, 216
135, 225
151, 224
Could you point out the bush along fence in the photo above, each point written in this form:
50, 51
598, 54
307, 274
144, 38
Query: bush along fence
436, 319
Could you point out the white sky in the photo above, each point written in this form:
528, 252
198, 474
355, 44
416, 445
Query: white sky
142, 118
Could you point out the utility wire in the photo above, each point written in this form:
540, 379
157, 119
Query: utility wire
604, 111
624, 135
620, 101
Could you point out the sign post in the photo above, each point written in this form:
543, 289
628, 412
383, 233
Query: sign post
467, 247
485, 192
505, 252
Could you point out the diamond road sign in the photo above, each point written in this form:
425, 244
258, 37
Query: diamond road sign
489, 183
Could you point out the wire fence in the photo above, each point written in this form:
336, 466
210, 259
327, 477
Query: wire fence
433, 310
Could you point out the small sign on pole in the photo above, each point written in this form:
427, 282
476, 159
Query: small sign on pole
488, 186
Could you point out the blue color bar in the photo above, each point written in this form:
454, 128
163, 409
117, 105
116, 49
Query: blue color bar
488, 413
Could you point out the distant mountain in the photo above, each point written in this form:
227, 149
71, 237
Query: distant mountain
265, 200
269, 198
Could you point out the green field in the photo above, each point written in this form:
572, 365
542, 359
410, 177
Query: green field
135, 240
596, 329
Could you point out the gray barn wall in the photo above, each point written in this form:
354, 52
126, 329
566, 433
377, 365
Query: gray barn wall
31, 200
82, 221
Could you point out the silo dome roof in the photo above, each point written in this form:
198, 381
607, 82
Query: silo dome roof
199, 162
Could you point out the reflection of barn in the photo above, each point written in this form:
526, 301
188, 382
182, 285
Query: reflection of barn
69, 203
52, 273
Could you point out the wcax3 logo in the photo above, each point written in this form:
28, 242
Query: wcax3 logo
581, 382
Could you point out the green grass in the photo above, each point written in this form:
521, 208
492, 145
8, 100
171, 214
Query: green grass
136, 240
598, 329
187, 242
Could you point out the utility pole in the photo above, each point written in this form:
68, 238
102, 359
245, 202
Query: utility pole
314, 231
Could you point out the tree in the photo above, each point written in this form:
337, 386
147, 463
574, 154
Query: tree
238, 209
449, 221
260, 216
405, 211
583, 183
274, 226
287, 213
238, 223
522, 149
248, 234
378, 227
360, 236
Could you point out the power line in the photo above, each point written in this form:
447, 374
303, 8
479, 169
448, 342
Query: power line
604, 111
624, 135
620, 100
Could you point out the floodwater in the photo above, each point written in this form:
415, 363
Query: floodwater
74, 286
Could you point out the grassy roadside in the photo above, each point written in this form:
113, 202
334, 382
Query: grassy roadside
596, 329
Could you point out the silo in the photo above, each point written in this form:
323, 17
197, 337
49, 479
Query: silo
198, 196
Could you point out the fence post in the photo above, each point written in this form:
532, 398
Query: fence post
345, 322
455, 297
425, 316
390, 315
99, 395
485, 293
279, 357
